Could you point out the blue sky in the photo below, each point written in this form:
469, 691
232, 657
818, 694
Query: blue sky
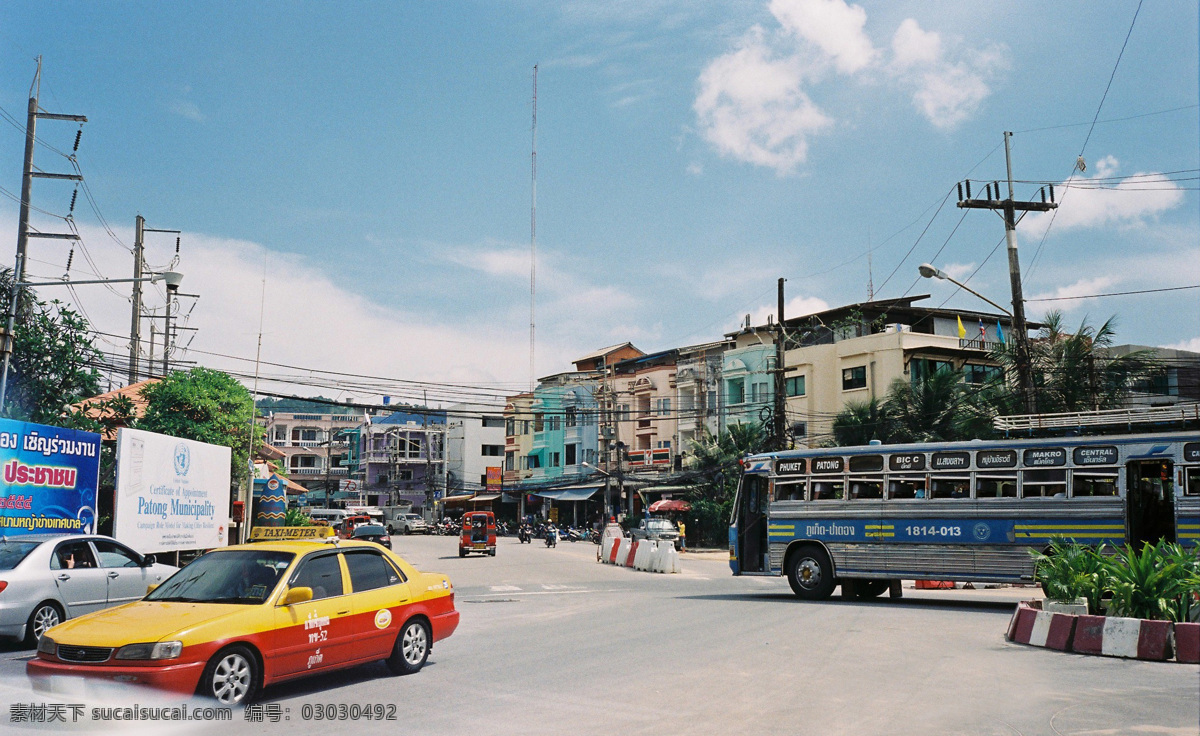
373, 161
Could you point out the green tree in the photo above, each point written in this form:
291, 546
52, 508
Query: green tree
715, 462
53, 362
204, 405
926, 410
862, 421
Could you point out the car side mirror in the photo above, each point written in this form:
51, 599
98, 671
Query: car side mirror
297, 595
148, 561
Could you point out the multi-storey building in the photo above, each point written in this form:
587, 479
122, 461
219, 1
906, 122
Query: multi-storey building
565, 428
475, 440
518, 439
401, 457
315, 446
699, 402
644, 391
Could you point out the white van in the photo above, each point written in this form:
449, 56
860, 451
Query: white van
332, 517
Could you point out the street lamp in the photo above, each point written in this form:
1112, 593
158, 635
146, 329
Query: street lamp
171, 278
1018, 323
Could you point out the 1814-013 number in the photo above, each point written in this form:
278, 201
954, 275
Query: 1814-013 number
930, 530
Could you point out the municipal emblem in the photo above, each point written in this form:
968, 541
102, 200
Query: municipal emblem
982, 531
383, 618
183, 459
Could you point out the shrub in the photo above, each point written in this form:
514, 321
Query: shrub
1156, 582
1070, 571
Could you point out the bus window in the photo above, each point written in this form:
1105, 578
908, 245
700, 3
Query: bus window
866, 488
1043, 484
951, 488
1093, 484
910, 487
1192, 488
791, 491
996, 486
828, 490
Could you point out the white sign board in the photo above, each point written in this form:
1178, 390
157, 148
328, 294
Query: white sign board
172, 494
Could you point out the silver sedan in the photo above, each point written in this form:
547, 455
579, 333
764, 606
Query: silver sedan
48, 578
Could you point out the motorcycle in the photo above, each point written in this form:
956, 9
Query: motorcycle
551, 536
574, 535
524, 534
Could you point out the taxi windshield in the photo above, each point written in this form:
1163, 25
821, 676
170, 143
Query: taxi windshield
244, 577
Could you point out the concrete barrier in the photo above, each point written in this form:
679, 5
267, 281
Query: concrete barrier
1134, 638
1187, 642
623, 552
633, 548
643, 552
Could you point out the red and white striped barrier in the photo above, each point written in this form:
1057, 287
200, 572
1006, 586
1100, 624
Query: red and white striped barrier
1114, 636
1041, 628
651, 556
1187, 642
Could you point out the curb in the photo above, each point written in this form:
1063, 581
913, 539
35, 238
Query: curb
1110, 636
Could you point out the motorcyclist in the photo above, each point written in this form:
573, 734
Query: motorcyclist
551, 536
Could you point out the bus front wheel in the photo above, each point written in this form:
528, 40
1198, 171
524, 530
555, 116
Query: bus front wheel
810, 573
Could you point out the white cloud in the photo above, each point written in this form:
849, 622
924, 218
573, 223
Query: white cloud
959, 270
797, 306
189, 110
751, 106
947, 90
1192, 345
754, 102
1074, 294
1100, 201
832, 26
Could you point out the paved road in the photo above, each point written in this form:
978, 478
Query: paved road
551, 643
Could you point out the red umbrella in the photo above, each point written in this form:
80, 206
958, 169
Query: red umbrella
669, 504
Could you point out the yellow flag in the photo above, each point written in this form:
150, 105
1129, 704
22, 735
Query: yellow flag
962, 331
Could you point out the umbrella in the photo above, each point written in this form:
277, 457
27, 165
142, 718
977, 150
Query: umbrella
669, 504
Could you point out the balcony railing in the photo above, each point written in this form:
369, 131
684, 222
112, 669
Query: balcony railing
304, 471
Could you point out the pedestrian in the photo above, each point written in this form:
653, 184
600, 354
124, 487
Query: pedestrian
682, 536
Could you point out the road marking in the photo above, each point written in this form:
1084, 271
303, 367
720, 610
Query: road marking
546, 592
505, 588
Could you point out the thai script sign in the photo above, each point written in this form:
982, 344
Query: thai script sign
988, 459
1045, 457
1191, 452
827, 465
790, 467
907, 461
50, 478
951, 460
1103, 455
172, 494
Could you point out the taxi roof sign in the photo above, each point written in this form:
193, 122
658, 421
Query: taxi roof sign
276, 533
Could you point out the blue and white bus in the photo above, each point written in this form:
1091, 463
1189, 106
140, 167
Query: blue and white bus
967, 511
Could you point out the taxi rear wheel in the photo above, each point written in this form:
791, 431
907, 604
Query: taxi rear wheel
232, 676
411, 649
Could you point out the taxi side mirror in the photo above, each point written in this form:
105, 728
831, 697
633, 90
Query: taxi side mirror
297, 595
150, 588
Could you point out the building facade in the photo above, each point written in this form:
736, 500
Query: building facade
402, 457
315, 447
475, 441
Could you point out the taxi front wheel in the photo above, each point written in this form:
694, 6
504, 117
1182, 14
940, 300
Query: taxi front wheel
232, 676
411, 649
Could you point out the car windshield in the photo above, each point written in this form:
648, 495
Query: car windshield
370, 530
11, 553
660, 525
236, 576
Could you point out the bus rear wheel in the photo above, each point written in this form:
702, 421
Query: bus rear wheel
810, 573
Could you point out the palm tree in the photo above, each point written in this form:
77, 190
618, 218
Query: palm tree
715, 463
859, 422
926, 410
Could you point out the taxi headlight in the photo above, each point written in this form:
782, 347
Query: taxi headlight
46, 645
150, 650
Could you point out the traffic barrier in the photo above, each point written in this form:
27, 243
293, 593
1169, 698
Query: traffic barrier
935, 585
623, 552
668, 559
643, 551
1114, 636
633, 548
1187, 642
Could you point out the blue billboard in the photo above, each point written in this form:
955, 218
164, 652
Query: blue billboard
50, 476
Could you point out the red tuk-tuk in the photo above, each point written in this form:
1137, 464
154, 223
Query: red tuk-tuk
478, 533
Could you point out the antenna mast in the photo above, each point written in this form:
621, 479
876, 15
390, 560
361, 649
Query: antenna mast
533, 238
870, 271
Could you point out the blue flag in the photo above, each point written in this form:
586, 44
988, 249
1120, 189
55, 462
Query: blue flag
999, 332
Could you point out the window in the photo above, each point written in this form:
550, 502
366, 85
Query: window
553, 423
853, 378
590, 457
281, 433
525, 426
663, 444
978, 374
539, 423
510, 426
304, 461
794, 386
381, 479
572, 454
554, 459
759, 393
1192, 487
799, 429
1001, 485
920, 369
737, 390
368, 571
322, 573
491, 450
792, 491
1043, 484
906, 487
866, 489
414, 447
951, 488
570, 418
510, 459
711, 407
1089, 484
72, 555
495, 422
114, 555
828, 490
404, 475
535, 461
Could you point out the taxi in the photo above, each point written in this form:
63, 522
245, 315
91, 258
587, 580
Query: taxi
240, 618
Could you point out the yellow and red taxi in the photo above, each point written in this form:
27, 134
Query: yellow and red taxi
243, 617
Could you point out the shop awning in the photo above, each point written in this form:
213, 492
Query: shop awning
453, 500
572, 493
486, 497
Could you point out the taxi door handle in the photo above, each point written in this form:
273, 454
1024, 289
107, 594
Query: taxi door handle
114, 574
64, 576
343, 613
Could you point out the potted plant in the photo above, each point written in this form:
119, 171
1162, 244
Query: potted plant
1072, 577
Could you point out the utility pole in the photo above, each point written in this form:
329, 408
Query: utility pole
135, 327
780, 413
1009, 207
23, 233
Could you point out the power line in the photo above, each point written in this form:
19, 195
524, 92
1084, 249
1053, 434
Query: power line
1114, 293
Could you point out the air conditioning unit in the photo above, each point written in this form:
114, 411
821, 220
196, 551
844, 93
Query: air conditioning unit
897, 327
